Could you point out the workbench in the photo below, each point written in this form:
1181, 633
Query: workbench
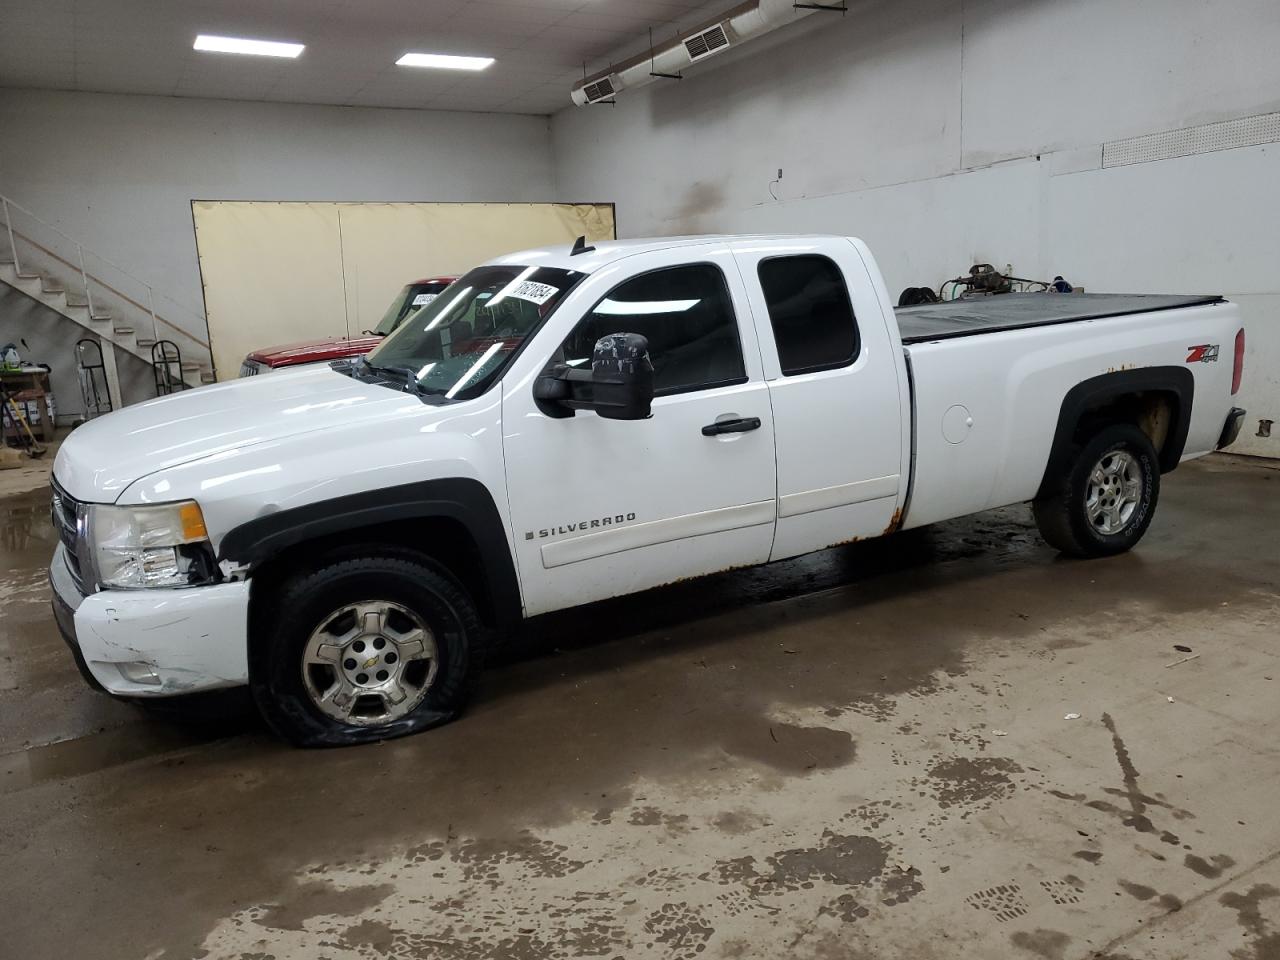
27, 385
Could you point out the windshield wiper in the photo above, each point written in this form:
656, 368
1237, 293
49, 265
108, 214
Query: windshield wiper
409, 374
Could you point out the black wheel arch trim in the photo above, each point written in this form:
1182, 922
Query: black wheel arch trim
466, 501
1101, 390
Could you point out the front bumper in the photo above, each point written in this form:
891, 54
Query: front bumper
1231, 429
154, 643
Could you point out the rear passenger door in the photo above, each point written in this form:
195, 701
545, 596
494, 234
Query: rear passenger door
833, 370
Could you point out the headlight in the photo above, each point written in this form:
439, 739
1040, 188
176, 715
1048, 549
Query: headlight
165, 545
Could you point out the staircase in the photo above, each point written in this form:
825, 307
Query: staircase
103, 299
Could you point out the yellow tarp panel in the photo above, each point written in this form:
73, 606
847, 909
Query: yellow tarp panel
280, 272
272, 274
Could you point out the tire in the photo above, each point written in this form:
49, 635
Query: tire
341, 647
1104, 502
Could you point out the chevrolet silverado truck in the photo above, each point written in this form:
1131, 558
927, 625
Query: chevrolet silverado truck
411, 298
565, 426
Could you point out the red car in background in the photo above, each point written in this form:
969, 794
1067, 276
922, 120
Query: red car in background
413, 297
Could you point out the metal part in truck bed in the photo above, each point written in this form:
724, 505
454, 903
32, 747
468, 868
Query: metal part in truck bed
1015, 311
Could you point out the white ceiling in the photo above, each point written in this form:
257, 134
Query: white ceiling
144, 46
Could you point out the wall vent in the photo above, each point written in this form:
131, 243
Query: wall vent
602, 89
1206, 138
731, 29
708, 43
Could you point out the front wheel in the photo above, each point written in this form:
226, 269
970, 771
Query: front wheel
1104, 501
367, 648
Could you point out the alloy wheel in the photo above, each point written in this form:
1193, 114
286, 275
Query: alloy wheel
369, 663
1114, 492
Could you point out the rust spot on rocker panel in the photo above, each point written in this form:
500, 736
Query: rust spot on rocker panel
894, 521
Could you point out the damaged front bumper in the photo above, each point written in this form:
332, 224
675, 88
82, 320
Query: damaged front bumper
154, 643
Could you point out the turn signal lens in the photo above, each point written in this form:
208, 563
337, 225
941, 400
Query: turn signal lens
192, 522
1237, 371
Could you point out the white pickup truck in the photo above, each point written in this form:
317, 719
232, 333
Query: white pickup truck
569, 425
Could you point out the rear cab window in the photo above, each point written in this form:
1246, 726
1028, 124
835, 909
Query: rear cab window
810, 312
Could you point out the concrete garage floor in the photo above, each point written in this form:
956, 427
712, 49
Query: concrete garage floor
861, 754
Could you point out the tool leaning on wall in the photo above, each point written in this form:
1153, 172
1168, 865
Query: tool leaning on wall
19, 420
9, 410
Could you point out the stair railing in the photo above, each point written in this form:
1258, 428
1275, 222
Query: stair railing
8, 222
87, 278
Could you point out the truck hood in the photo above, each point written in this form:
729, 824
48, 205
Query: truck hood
313, 351
100, 459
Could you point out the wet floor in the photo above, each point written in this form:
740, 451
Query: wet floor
863, 753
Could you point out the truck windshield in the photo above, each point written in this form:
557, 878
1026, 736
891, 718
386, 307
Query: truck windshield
460, 342
412, 298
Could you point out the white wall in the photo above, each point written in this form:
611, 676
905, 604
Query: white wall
119, 172
947, 132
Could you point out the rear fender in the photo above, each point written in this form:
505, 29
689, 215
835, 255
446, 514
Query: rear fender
1098, 392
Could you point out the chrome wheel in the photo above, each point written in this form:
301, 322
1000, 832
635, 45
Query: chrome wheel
1114, 492
369, 663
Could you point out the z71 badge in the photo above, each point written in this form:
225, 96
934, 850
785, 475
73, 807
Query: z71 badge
1205, 353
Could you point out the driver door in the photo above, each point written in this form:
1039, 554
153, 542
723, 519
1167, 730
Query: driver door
601, 507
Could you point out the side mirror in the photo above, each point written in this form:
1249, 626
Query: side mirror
622, 377
619, 385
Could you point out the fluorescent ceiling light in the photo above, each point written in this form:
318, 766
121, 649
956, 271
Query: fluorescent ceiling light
444, 311
475, 368
632, 308
259, 48
443, 61
502, 294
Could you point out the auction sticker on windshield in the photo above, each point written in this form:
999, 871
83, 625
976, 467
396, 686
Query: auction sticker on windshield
422, 299
534, 292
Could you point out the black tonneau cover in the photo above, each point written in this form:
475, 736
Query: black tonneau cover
1014, 311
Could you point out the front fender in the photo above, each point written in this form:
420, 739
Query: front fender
466, 501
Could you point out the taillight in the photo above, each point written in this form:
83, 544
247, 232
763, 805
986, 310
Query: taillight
1237, 371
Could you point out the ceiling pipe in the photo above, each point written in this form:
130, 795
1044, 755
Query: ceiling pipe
733, 27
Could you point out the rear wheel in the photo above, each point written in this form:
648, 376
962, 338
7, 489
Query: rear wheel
367, 648
1104, 501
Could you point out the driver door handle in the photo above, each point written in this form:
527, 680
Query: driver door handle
740, 425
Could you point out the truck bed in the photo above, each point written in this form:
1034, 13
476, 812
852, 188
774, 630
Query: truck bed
1015, 311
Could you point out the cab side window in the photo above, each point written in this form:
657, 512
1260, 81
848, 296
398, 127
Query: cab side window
687, 316
810, 311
